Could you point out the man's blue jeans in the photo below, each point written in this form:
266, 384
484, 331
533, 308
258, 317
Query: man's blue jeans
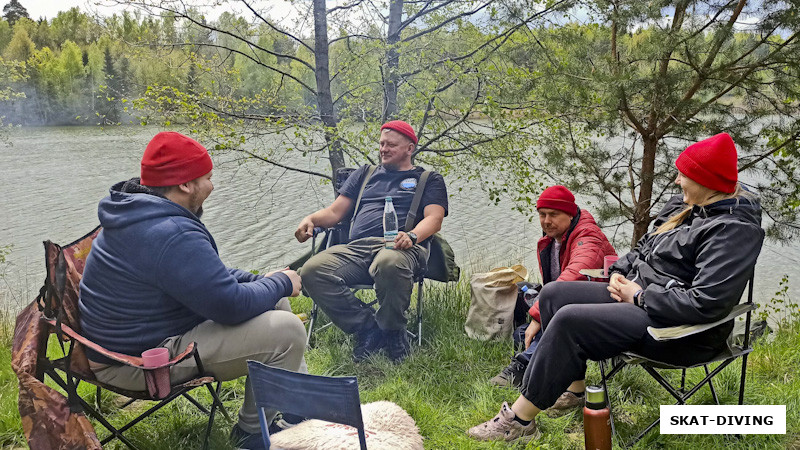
519, 339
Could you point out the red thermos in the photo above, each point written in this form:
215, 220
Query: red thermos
596, 420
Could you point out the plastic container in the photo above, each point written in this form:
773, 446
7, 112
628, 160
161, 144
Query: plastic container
529, 295
157, 379
596, 420
389, 223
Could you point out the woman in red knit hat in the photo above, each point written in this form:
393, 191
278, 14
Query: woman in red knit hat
691, 269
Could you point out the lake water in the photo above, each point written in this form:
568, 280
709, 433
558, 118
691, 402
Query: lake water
52, 178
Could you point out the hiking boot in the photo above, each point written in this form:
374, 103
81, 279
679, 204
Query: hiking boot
565, 403
511, 375
368, 342
397, 347
503, 426
243, 440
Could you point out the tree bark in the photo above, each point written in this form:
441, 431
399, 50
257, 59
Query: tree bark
641, 214
324, 98
392, 60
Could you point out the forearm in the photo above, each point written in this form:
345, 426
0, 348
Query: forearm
427, 227
324, 218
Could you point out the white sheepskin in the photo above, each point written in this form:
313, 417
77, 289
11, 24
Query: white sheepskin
386, 425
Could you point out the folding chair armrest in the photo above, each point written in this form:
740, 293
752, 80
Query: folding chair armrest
128, 360
681, 331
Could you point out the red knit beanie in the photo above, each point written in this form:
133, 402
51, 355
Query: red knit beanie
711, 162
171, 159
402, 128
558, 197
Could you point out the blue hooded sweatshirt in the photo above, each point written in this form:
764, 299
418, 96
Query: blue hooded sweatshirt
154, 272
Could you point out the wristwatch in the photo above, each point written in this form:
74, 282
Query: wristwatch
413, 237
637, 298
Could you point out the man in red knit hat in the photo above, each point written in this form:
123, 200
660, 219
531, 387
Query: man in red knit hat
327, 275
154, 279
572, 241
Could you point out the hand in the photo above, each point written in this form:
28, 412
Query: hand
296, 282
622, 290
402, 241
531, 331
275, 271
615, 280
305, 230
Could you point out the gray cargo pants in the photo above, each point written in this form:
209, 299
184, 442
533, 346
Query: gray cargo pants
327, 275
276, 338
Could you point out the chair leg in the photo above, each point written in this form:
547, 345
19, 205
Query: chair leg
419, 312
115, 433
742, 379
97, 400
711, 386
214, 404
215, 395
683, 380
602, 364
312, 320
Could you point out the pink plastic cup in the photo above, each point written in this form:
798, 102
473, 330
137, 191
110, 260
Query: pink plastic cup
157, 380
607, 262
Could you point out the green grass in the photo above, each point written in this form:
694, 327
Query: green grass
443, 386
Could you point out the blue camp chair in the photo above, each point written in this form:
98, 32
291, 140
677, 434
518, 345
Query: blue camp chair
333, 399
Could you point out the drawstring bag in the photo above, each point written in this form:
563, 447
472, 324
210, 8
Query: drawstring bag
493, 298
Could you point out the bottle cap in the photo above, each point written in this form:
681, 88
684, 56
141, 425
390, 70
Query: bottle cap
595, 396
388, 199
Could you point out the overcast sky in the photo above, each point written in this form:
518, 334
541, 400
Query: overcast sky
49, 8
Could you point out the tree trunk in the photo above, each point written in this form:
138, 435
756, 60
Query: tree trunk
392, 60
641, 214
324, 97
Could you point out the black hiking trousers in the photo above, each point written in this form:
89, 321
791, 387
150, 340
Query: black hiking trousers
580, 322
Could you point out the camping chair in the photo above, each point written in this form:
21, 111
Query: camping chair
334, 399
58, 303
681, 394
339, 234
419, 278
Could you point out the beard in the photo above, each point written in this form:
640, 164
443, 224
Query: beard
196, 205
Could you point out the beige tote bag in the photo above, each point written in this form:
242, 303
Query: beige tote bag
491, 309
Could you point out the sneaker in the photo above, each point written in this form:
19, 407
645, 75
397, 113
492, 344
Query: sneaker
397, 346
284, 421
511, 375
503, 426
243, 440
368, 342
565, 403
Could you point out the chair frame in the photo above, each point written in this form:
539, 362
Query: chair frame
60, 370
272, 389
681, 394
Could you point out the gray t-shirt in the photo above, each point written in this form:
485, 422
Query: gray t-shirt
555, 264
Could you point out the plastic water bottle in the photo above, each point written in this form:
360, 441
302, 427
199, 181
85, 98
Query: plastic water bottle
389, 223
529, 295
596, 420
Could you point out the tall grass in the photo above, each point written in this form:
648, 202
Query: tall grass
443, 385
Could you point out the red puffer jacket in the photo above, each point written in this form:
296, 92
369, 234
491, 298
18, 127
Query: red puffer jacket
584, 247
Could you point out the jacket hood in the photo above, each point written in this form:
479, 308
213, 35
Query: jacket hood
130, 202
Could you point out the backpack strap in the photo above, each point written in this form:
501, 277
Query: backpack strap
361, 192
411, 217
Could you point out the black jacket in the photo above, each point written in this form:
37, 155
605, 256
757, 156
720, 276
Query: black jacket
696, 273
